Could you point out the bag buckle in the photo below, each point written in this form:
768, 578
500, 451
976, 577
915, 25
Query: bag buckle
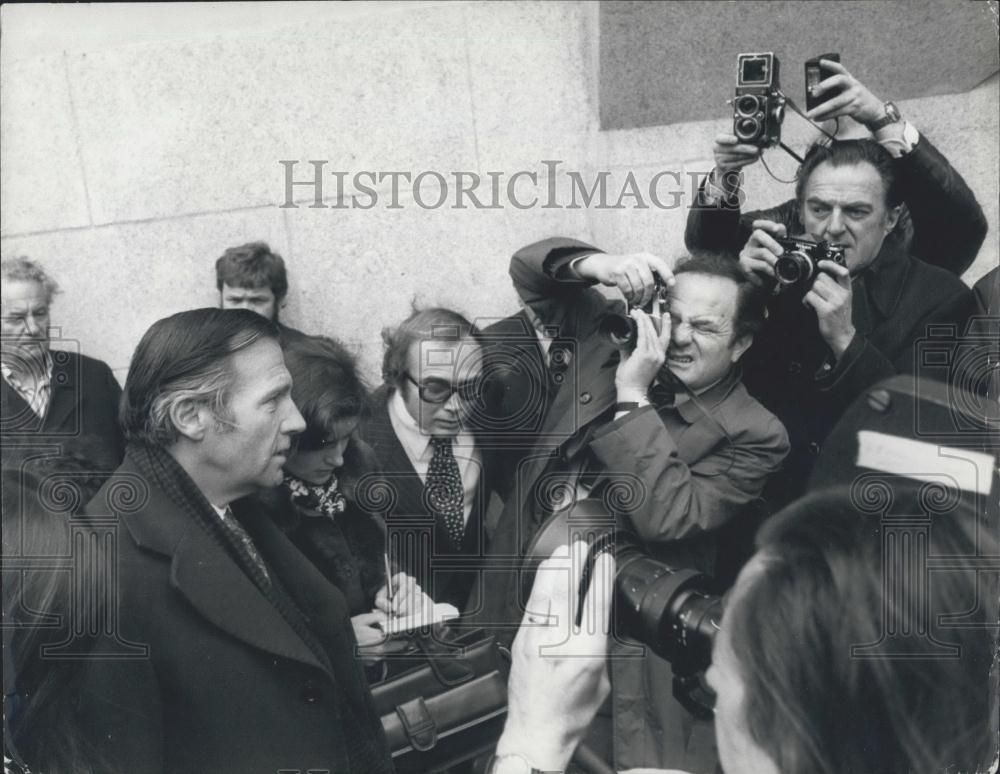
418, 724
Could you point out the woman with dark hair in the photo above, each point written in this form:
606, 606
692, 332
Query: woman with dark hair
854, 642
316, 504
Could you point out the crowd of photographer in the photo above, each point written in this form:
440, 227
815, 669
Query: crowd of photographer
582, 482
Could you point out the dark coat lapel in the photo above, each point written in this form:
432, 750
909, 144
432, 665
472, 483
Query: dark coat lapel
223, 594
66, 392
204, 573
575, 406
397, 470
323, 605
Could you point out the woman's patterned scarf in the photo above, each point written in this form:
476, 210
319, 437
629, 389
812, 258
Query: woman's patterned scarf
326, 499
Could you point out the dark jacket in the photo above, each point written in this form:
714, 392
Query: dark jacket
228, 683
941, 223
898, 301
691, 469
980, 371
418, 543
349, 549
522, 388
82, 415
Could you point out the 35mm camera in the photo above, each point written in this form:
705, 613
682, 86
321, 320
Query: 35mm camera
799, 264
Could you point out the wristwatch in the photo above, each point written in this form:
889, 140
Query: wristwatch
513, 764
891, 117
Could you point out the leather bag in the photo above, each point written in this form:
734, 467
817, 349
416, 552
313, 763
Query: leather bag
442, 698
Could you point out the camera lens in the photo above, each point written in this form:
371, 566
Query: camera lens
747, 105
792, 267
666, 608
620, 330
747, 128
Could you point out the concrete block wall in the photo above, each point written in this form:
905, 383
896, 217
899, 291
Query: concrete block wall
128, 167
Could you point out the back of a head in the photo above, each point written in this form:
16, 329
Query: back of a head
829, 686
252, 265
184, 356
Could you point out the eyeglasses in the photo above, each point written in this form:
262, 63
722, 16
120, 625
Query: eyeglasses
440, 391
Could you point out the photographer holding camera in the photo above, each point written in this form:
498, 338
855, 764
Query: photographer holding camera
662, 430
882, 203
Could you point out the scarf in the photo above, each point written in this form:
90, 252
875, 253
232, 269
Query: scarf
326, 499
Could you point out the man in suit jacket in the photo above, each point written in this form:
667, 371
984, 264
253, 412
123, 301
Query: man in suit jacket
50, 396
433, 486
526, 362
249, 661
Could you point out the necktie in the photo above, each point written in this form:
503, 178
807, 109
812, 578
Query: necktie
443, 492
244, 544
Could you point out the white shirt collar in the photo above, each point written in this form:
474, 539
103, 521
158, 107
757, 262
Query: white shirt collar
407, 430
416, 444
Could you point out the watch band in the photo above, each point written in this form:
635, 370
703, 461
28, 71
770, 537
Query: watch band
892, 116
627, 406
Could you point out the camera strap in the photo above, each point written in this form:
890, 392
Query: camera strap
791, 103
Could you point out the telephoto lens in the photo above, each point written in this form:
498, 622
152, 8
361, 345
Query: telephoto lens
668, 609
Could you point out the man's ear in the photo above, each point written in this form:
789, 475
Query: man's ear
892, 218
190, 418
742, 345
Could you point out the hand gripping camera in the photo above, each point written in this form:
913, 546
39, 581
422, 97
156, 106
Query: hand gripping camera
668, 609
799, 264
621, 330
759, 105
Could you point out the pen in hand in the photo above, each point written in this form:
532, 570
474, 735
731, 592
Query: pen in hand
390, 592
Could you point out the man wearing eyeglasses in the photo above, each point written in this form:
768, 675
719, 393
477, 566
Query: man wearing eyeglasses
431, 461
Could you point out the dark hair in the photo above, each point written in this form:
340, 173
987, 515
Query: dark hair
844, 153
750, 300
815, 704
252, 265
184, 356
326, 385
433, 324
